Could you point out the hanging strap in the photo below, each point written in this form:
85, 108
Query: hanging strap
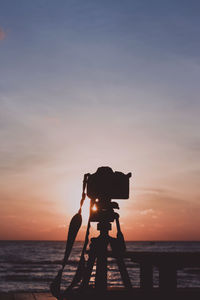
81, 265
74, 227
120, 236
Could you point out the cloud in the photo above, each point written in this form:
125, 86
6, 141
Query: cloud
2, 34
150, 190
146, 211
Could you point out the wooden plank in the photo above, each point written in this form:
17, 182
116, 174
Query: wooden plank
180, 259
43, 296
167, 278
146, 276
6, 296
24, 296
115, 294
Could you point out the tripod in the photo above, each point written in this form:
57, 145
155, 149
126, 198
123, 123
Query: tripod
101, 186
98, 252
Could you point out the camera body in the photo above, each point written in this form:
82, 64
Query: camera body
102, 187
108, 184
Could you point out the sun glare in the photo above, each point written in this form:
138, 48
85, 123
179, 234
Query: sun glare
94, 208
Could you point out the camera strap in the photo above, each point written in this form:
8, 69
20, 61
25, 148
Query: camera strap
74, 227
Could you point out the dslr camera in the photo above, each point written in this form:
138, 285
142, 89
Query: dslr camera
102, 187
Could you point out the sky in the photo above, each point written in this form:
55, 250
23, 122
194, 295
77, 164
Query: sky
85, 84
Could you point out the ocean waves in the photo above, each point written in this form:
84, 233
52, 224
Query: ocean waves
31, 266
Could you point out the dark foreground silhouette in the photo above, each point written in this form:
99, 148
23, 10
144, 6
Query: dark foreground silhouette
167, 263
101, 187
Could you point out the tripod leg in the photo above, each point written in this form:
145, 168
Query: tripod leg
90, 264
101, 268
120, 262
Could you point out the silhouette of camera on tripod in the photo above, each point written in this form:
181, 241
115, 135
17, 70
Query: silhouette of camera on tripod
101, 187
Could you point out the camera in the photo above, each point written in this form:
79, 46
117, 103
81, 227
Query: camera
102, 187
106, 184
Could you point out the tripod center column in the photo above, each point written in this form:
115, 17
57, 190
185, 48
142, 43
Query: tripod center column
101, 266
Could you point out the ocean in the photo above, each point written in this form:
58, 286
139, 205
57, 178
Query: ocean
30, 266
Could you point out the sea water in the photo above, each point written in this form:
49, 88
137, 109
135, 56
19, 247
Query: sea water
31, 265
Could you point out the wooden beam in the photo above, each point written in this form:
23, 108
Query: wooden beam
24, 296
43, 296
146, 276
6, 296
167, 278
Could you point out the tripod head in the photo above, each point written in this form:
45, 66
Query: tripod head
102, 210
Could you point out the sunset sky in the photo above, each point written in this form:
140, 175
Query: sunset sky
95, 83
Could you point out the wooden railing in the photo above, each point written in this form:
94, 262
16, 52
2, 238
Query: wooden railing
167, 263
